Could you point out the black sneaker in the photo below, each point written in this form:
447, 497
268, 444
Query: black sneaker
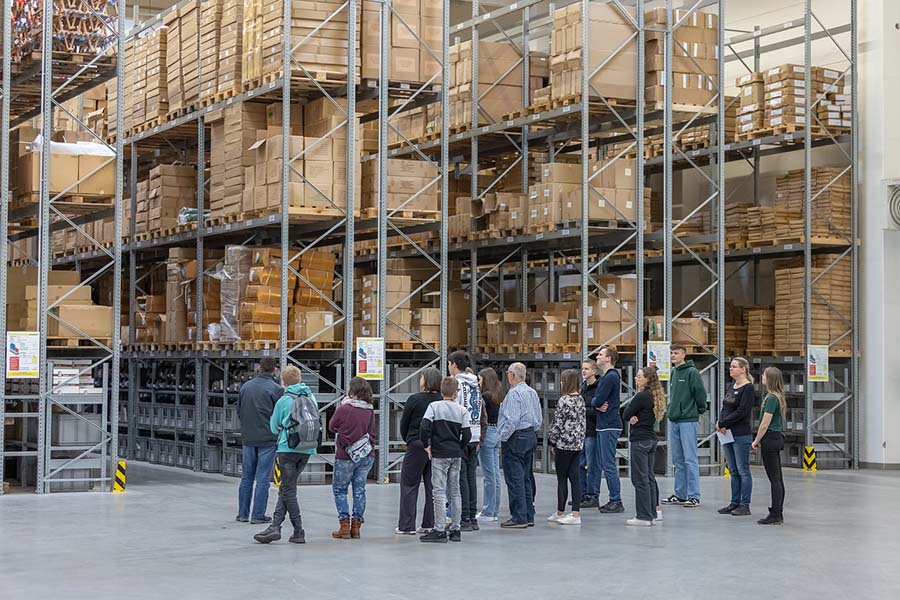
298, 537
241, 519
260, 521
692, 503
466, 526
741, 511
434, 537
612, 507
771, 520
474, 524
531, 523
455, 535
510, 524
590, 503
727, 510
673, 499
268, 535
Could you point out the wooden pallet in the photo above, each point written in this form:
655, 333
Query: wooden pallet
400, 345
317, 345
70, 342
412, 216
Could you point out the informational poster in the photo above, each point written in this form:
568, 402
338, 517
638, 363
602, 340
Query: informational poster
659, 355
370, 358
817, 363
23, 351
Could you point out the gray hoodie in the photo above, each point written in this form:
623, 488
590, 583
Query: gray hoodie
469, 397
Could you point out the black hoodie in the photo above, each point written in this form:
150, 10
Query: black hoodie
590, 415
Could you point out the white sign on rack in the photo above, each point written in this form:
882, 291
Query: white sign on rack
817, 363
370, 358
23, 352
659, 355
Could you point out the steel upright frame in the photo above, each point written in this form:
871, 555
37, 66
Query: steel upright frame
4, 208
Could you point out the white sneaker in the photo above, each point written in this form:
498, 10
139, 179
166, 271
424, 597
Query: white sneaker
482, 517
555, 518
659, 516
399, 531
423, 530
638, 523
569, 519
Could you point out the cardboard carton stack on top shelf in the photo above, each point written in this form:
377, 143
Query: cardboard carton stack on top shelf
408, 59
322, 26
609, 30
230, 50
208, 47
183, 56
760, 328
500, 81
695, 64
405, 178
146, 80
233, 133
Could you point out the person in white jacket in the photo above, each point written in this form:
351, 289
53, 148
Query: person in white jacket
469, 397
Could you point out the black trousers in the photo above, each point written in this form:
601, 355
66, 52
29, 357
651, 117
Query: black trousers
771, 446
646, 491
567, 465
468, 485
416, 469
291, 465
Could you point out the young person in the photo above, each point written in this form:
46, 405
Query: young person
445, 433
567, 437
687, 401
520, 418
489, 455
469, 397
290, 461
643, 412
416, 464
589, 459
737, 407
609, 426
255, 405
353, 425
770, 439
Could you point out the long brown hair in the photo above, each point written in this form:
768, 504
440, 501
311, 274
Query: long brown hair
490, 385
570, 382
656, 391
774, 382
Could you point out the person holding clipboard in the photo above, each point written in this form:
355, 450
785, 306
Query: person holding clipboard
736, 437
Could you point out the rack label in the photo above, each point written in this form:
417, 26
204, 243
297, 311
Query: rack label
23, 352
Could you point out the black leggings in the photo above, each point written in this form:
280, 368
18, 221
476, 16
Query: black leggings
771, 446
567, 469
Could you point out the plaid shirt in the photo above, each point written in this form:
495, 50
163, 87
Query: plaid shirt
521, 409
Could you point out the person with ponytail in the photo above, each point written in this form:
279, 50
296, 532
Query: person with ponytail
735, 414
646, 409
770, 440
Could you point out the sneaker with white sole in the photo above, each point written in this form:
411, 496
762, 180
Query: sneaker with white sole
673, 499
487, 518
691, 503
555, 517
638, 523
424, 530
659, 516
569, 519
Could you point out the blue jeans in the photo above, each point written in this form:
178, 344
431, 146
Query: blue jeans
737, 457
258, 463
347, 472
683, 443
518, 454
589, 468
609, 464
489, 457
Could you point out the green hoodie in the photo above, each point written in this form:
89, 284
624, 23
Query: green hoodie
687, 396
282, 416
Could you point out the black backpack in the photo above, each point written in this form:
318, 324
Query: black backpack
305, 430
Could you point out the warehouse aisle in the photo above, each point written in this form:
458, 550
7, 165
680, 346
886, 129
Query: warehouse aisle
173, 535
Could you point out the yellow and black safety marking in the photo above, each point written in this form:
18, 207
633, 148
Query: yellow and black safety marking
809, 458
119, 481
277, 477
727, 473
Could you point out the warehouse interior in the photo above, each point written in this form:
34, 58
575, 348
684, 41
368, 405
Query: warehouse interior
191, 186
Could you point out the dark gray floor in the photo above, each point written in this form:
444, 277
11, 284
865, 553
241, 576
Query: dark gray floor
172, 536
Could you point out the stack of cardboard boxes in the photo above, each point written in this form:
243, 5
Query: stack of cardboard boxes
609, 30
183, 56
410, 21
234, 278
312, 318
830, 191
146, 95
500, 78
405, 179
209, 44
233, 133
170, 188
230, 50
695, 64
399, 320
150, 325
760, 328
690, 331
737, 229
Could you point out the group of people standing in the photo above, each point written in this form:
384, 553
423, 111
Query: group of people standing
455, 422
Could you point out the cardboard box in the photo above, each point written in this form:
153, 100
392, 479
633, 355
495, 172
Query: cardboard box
97, 175
95, 321
547, 329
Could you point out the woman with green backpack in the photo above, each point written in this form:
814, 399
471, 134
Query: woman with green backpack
295, 421
353, 424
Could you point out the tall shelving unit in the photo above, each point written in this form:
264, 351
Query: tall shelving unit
593, 127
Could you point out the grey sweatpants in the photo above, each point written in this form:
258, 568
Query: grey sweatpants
445, 484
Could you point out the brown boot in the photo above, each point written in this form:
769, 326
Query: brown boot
344, 532
355, 524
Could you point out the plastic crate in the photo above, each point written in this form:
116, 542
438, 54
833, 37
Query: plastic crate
184, 417
144, 414
212, 459
232, 423
215, 417
232, 459
184, 455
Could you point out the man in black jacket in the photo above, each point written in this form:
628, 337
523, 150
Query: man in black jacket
255, 405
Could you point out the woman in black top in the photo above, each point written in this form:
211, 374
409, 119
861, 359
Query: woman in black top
734, 416
589, 460
416, 464
489, 454
643, 412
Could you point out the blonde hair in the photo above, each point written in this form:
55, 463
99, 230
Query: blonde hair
656, 391
290, 375
745, 364
774, 382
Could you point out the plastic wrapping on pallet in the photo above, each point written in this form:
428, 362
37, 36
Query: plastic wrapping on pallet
234, 275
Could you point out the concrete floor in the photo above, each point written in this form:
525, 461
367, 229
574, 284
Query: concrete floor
172, 535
